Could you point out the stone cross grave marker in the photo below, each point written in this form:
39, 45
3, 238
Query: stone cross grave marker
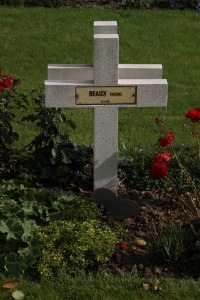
105, 86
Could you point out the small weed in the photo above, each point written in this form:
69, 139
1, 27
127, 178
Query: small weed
168, 241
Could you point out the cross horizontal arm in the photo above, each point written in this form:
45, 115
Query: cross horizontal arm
85, 71
150, 92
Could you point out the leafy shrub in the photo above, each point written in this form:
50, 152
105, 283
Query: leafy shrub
22, 210
50, 158
44, 3
10, 101
137, 3
163, 4
54, 3
180, 4
73, 246
73, 225
162, 161
134, 167
12, 2
39, 152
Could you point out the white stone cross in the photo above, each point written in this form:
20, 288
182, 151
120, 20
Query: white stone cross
68, 83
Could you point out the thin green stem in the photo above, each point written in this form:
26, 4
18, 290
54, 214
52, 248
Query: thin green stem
189, 180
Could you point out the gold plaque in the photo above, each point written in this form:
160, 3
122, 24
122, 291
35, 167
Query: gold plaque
108, 95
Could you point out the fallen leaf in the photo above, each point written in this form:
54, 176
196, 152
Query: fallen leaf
83, 191
139, 242
145, 286
10, 284
88, 168
18, 295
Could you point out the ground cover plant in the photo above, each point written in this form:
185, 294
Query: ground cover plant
38, 208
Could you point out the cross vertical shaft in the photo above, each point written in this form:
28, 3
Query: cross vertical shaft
106, 59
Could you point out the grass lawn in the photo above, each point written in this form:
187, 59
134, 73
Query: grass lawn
34, 37
31, 38
108, 288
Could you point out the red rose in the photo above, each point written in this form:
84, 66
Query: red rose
159, 170
193, 114
123, 246
167, 139
168, 213
7, 76
163, 157
7, 83
158, 120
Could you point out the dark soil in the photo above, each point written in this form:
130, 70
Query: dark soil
143, 260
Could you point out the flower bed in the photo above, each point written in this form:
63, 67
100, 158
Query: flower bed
36, 203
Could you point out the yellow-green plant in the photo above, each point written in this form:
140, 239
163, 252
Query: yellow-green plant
71, 247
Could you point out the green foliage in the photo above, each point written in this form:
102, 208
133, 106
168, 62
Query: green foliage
45, 3
37, 155
10, 102
180, 4
137, 3
73, 246
35, 219
133, 168
50, 158
22, 210
47, 121
69, 164
168, 241
82, 210
12, 2
47, 159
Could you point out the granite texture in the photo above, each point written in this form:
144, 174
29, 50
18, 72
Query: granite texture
151, 91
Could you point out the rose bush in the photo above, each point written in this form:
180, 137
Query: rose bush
160, 166
159, 170
8, 103
193, 115
167, 139
7, 82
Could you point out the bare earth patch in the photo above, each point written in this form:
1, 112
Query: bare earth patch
139, 258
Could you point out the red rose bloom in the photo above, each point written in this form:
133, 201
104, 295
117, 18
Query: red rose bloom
168, 213
123, 246
158, 120
7, 83
193, 114
163, 157
159, 170
167, 139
